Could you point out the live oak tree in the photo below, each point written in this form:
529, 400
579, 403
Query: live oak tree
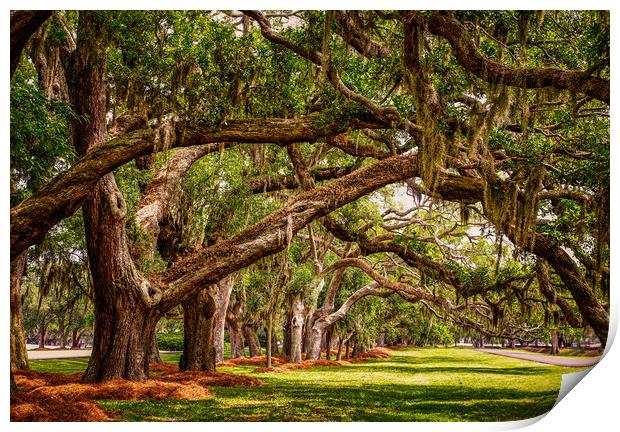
504, 114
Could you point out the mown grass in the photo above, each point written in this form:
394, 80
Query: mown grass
426, 384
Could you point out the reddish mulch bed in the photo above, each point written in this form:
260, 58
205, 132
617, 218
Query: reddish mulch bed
163, 367
267, 369
307, 364
58, 397
255, 361
218, 379
397, 346
304, 364
376, 353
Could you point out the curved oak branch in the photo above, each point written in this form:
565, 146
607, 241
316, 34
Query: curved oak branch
470, 58
270, 235
32, 219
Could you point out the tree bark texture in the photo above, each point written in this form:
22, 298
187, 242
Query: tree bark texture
154, 356
46, 56
339, 354
269, 339
235, 332
122, 342
555, 346
328, 343
286, 329
224, 289
42, 333
125, 321
583, 294
274, 342
249, 333
19, 354
198, 348
309, 317
296, 327
23, 26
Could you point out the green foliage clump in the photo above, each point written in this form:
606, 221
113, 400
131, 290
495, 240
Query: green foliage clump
170, 341
40, 146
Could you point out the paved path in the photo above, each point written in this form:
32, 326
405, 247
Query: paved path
552, 360
66, 353
58, 354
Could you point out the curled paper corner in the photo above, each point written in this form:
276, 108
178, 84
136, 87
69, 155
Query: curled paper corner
569, 381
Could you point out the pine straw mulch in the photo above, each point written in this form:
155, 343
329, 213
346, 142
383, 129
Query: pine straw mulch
254, 361
58, 397
397, 347
307, 364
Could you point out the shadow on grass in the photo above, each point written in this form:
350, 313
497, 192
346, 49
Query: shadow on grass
455, 369
289, 402
65, 366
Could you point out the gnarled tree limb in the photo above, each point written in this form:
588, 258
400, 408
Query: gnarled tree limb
470, 58
23, 25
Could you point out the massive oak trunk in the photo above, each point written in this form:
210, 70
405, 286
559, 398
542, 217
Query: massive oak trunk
122, 341
198, 349
125, 321
19, 354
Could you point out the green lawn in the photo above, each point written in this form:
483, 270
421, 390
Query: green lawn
427, 384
